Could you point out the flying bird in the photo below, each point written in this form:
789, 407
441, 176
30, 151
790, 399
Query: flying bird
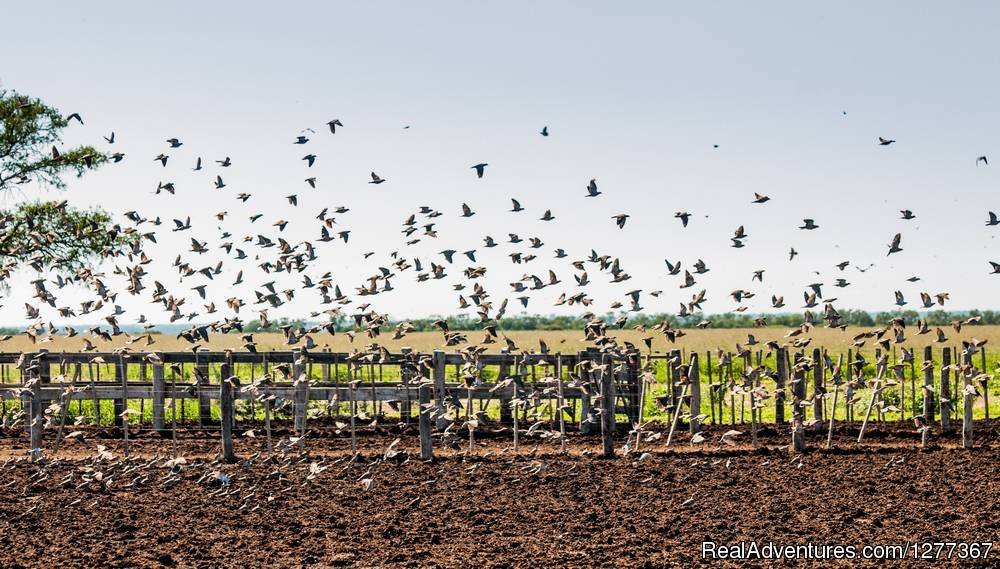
894, 246
480, 169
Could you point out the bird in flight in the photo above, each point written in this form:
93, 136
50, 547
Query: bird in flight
376, 179
592, 189
885, 141
333, 125
545, 131
978, 160
480, 169
808, 224
993, 220
894, 246
757, 198
684, 217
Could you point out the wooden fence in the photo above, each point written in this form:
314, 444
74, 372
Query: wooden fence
442, 385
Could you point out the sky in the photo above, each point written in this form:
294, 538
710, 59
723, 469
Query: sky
669, 106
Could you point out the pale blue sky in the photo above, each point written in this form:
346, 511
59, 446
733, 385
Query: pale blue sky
634, 94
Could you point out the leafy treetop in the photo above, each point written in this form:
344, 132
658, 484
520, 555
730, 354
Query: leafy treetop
30, 136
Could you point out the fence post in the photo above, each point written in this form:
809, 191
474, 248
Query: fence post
945, 392
781, 364
424, 421
204, 399
122, 370
968, 397
226, 372
586, 423
984, 383
818, 390
119, 404
301, 394
440, 372
608, 412
928, 386
503, 372
226, 395
159, 393
694, 404
37, 416
849, 391
798, 412
406, 375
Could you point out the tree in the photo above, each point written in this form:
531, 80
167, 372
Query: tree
53, 235
30, 134
48, 234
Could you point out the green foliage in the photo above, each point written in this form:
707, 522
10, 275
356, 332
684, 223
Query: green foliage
48, 234
29, 131
54, 235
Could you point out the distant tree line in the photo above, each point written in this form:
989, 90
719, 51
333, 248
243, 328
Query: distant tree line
724, 320
535, 322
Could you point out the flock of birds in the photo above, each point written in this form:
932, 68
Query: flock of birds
283, 270
247, 489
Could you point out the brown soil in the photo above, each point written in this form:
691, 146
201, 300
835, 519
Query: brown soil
490, 509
